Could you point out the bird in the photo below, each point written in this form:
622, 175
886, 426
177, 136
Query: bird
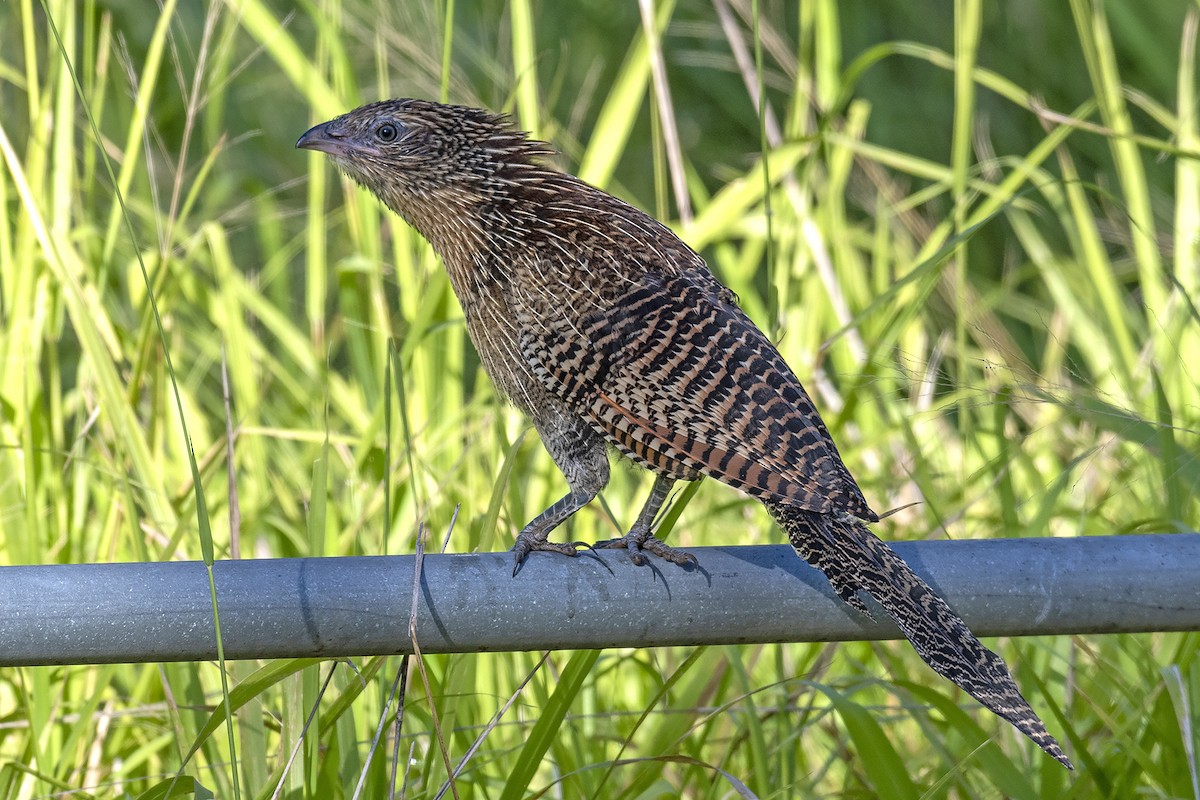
610, 332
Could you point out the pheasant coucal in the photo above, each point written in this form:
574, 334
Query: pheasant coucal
607, 330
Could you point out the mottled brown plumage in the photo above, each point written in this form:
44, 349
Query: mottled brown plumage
605, 328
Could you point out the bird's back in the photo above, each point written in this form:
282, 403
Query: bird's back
631, 330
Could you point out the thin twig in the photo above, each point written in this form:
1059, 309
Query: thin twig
362, 778
398, 731
450, 530
666, 111
808, 228
492, 723
199, 73
303, 732
412, 636
235, 508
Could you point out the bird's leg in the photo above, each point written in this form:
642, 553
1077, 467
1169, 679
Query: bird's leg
641, 536
579, 452
534, 535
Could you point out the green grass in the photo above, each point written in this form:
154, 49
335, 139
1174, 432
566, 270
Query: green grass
983, 260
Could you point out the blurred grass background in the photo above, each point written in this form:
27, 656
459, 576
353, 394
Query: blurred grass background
976, 242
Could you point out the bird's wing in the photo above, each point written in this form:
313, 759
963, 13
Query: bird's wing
676, 375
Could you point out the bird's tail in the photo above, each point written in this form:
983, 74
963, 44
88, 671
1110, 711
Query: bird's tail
856, 561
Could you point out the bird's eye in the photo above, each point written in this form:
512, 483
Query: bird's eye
387, 132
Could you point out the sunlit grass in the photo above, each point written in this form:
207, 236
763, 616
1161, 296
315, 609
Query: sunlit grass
1003, 331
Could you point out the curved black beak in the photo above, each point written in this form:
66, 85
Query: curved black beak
322, 138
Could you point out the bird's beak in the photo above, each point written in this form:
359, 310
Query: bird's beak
322, 138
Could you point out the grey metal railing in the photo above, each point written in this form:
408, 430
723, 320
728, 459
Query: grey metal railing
328, 607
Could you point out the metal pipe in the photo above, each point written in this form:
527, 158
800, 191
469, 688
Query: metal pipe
330, 607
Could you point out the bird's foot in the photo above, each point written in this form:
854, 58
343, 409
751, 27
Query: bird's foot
637, 542
528, 542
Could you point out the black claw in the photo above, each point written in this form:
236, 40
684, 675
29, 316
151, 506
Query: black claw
523, 548
638, 546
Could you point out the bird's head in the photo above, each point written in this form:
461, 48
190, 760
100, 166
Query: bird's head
428, 160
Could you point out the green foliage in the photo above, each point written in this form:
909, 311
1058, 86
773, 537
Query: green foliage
981, 252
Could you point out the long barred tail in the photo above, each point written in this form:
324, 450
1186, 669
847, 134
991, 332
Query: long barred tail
856, 561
